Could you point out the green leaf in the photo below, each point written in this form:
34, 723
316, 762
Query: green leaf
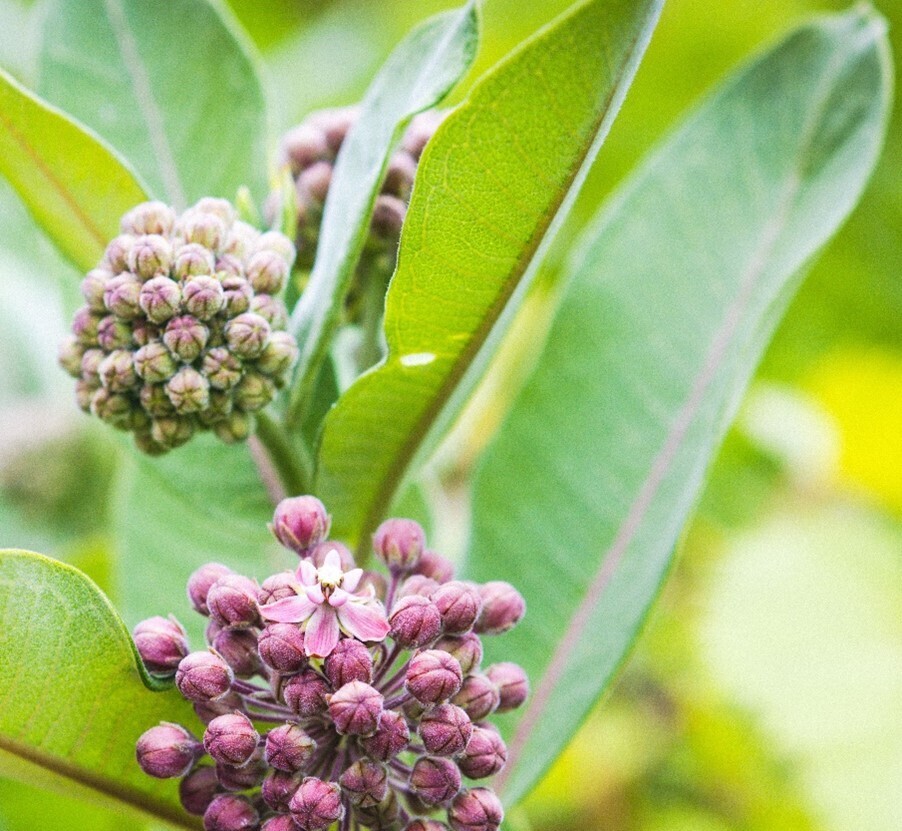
169, 85
74, 185
417, 75
493, 186
73, 699
675, 293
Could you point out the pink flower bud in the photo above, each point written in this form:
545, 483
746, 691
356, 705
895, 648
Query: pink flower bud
478, 697
467, 649
300, 522
203, 296
305, 693
288, 748
192, 259
247, 334
160, 299
349, 661
228, 812
317, 553
445, 730
120, 296
388, 216
433, 676
232, 601
197, 790
185, 336
221, 368
277, 587
278, 788
476, 810
148, 218
239, 648
399, 544
113, 333
161, 643
150, 256
281, 822
435, 566
485, 755
208, 710
316, 805
167, 750
391, 737
267, 272
355, 709
418, 584
244, 777
282, 647
365, 783
459, 604
203, 676
434, 780
231, 739
415, 622
426, 825
502, 608
512, 683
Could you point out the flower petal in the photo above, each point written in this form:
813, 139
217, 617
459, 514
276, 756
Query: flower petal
288, 610
338, 598
315, 594
322, 632
352, 579
365, 621
307, 573
333, 560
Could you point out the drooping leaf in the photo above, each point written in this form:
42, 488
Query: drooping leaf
74, 185
417, 75
72, 699
172, 88
675, 292
492, 187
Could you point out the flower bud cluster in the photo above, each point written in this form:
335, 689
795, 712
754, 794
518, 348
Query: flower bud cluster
336, 695
310, 149
182, 329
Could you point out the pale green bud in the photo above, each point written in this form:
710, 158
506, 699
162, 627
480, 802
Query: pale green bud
254, 391
116, 255
155, 402
114, 333
203, 296
172, 431
267, 272
278, 355
238, 295
154, 363
234, 428
247, 334
92, 288
117, 372
150, 256
149, 218
121, 296
70, 355
112, 407
271, 309
193, 259
222, 368
160, 298
186, 337
188, 391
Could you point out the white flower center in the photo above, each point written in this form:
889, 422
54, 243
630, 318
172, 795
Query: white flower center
329, 577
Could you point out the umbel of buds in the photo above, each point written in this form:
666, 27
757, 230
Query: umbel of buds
182, 329
330, 694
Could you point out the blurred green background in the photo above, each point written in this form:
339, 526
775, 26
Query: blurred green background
766, 691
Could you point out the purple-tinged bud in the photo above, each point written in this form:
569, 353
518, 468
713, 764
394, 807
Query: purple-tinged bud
193, 259
113, 408
316, 804
70, 355
434, 780
355, 709
415, 622
232, 600
117, 371
435, 566
317, 554
154, 363
278, 788
90, 365
150, 256
476, 810
426, 825
228, 812
188, 391
239, 649
467, 649
116, 255
445, 730
198, 789
280, 822
203, 296
402, 168
113, 333
155, 402
399, 544
161, 642
148, 218
186, 337
282, 647
478, 697
267, 272
243, 777
391, 737
313, 184
271, 309
233, 428
231, 739
200, 582
238, 294
277, 587
121, 295
208, 710
365, 783
305, 693
221, 368
289, 748
144, 332
278, 355
417, 584
388, 216
85, 326
433, 676
303, 145
247, 334
300, 522
160, 298
459, 604
203, 676
349, 661
84, 392
512, 683
93, 286
167, 750
203, 228
502, 608
485, 755
218, 207
277, 243
172, 431
254, 391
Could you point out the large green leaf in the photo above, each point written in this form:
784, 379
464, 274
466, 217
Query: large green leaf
168, 85
73, 699
674, 295
492, 187
73, 184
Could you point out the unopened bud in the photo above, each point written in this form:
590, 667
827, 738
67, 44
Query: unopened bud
365, 783
512, 683
418, 584
399, 544
199, 584
221, 368
203, 296
186, 337
277, 243
150, 256
85, 325
198, 789
282, 647
305, 693
218, 207
267, 272
433, 676
502, 608
117, 371
425, 825
231, 739
232, 600
478, 697
445, 730
155, 402
459, 604
434, 780
415, 622
317, 555
435, 566
148, 218
485, 755
402, 168
93, 286
355, 709
391, 737
421, 129
144, 332
388, 216
476, 810
316, 804
277, 587
161, 642
303, 145
247, 334
277, 790
188, 391
300, 522
113, 408
121, 296
116, 255
229, 812
70, 355
238, 294
313, 183
278, 355
203, 228
467, 649
192, 259
254, 391
280, 822
243, 777
239, 649
167, 751
208, 710
203, 676
113, 333
349, 661
289, 748
233, 428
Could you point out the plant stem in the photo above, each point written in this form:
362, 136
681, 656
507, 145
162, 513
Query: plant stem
289, 460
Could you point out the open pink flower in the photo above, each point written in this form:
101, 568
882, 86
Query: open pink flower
328, 601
